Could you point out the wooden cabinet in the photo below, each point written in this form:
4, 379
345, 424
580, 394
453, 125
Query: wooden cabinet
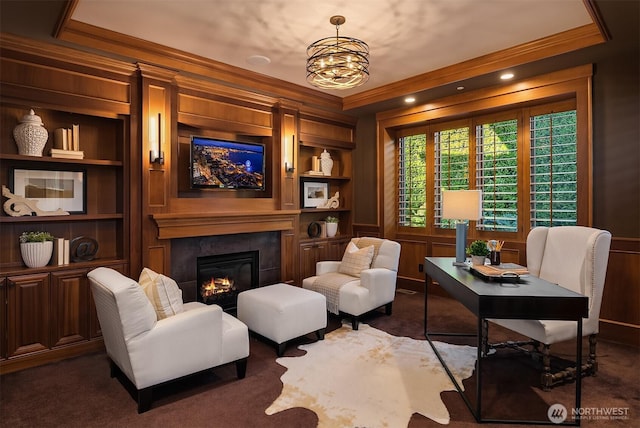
47, 312
318, 250
69, 307
47, 316
3, 318
310, 253
28, 314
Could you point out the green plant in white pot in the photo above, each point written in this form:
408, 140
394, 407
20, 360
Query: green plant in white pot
332, 226
478, 251
36, 248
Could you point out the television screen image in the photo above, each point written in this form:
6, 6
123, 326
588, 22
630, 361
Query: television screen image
226, 164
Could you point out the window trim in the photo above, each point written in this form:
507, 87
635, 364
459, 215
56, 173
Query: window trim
570, 85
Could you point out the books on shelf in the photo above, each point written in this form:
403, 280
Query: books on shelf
66, 143
60, 252
68, 154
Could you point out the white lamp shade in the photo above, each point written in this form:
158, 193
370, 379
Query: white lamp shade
462, 204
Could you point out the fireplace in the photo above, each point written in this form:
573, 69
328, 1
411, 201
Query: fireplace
221, 277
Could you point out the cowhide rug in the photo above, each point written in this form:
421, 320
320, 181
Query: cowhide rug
368, 378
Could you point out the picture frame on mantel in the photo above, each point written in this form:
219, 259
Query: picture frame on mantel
314, 193
53, 189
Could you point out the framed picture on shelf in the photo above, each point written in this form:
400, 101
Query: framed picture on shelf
66, 190
314, 193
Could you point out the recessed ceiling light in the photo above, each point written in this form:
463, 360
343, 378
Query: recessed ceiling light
258, 60
410, 100
460, 88
506, 76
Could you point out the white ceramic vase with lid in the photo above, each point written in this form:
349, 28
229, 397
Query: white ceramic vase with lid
326, 162
30, 135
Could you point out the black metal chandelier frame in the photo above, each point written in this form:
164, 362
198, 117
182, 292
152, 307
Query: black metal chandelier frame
337, 62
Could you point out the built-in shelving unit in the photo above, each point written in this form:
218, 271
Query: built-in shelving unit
48, 313
318, 134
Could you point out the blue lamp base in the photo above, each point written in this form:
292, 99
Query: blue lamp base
461, 243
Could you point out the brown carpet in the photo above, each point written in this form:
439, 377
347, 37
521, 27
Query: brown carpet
79, 392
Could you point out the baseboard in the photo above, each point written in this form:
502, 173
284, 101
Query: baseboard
49, 356
615, 331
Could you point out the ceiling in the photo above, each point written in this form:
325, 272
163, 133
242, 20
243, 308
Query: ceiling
425, 48
406, 37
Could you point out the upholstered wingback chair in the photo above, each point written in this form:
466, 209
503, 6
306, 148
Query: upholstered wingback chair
576, 258
151, 351
364, 280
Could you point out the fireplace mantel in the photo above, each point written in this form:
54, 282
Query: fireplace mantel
184, 225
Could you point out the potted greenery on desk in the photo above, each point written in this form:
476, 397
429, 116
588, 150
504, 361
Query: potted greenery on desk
36, 248
478, 251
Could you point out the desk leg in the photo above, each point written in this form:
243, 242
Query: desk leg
578, 371
482, 326
426, 293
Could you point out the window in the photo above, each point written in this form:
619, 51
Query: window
497, 175
493, 155
412, 172
554, 169
451, 168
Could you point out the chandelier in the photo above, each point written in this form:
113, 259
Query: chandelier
337, 62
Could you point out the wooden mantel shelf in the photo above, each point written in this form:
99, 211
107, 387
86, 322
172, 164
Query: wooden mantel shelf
184, 225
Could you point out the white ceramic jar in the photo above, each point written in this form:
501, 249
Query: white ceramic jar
30, 135
326, 163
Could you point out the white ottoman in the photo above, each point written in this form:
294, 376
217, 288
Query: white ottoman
282, 312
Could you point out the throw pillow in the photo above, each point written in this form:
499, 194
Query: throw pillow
163, 292
147, 276
354, 262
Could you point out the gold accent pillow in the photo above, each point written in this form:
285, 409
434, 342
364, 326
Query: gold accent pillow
163, 292
355, 261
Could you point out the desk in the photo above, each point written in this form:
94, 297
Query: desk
534, 299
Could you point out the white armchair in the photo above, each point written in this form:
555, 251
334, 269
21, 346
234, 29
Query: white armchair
151, 351
360, 290
576, 258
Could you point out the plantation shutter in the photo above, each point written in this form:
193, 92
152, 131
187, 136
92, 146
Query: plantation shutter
412, 175
451, 169
497, 175
554, 169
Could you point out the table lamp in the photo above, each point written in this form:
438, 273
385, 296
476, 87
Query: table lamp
461, 206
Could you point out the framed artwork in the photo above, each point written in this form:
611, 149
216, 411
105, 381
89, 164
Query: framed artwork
314, 193
66, 190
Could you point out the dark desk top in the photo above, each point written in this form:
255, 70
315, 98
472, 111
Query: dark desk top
531, 298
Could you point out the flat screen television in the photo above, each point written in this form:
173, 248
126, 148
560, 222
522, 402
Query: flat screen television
222, 164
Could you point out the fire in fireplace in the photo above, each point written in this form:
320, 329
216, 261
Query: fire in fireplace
222, 277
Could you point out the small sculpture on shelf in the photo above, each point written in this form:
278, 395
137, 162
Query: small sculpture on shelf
333, 202
17, 206
83, 249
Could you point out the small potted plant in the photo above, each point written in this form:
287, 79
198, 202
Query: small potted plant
36, 248
478, 251
332, 226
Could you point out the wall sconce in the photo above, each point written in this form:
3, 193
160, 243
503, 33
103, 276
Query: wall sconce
289, 154
461, 206
156, 155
